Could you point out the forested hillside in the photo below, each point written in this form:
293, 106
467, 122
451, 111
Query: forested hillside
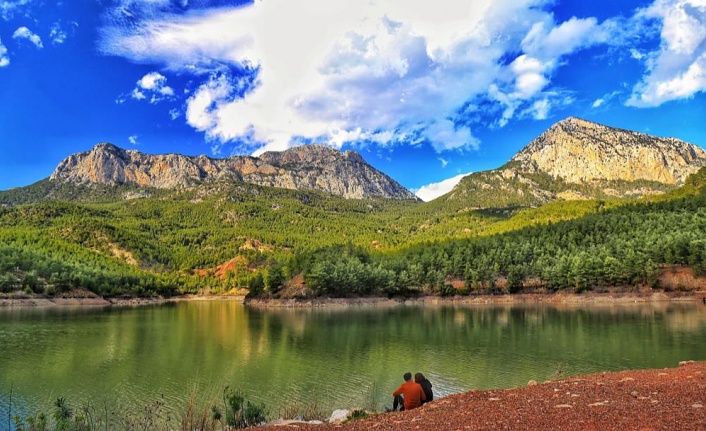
220, 237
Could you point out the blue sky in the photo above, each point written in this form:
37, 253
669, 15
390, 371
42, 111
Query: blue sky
425, 91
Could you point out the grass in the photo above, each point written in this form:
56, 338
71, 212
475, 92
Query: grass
308, 412
154, 416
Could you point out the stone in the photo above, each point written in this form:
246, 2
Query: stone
339, 416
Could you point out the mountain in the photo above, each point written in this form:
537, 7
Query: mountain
309, 167
578, 159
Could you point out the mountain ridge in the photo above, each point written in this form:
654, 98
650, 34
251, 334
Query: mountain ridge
315, 167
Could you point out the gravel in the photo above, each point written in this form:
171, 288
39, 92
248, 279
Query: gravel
648, 400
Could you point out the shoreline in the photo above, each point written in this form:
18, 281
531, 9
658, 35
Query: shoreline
615, 296
610, 297
670, 399
97, 301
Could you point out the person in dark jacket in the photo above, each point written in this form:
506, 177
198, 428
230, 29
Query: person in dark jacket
426, 386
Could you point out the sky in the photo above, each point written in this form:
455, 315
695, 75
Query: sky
425, 91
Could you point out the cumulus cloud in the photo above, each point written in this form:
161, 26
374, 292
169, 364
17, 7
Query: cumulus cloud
544, 48
133, 139
27, 34
153, 87
4, 58
676, 70
337, 72
434, 190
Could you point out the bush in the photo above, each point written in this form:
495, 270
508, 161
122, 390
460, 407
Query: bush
241, 413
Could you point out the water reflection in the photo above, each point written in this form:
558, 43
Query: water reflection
336, 357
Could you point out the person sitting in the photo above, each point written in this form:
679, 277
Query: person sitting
410, 394
426, 386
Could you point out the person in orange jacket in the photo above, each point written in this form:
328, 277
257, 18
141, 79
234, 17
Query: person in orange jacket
410, 395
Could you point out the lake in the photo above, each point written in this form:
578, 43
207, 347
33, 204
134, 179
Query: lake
334, 357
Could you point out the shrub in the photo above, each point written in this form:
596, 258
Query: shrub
241, 413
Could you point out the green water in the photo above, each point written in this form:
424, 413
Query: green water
337, 358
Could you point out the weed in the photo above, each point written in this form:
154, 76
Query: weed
558, 372
241, 413
308, 412
357, 414
197, 418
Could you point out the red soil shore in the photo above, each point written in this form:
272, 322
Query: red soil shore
671, 399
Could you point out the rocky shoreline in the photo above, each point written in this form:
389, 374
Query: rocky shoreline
670, 399
97, 301
615, 296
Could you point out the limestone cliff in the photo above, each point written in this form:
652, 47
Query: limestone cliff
579, 151
577, 159
307, 167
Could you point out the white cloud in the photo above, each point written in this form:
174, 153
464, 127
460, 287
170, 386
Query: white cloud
8, 9
637, 55
152, 86
544, 48
27, 34
444, 162
677, 70
203, 106
340, 71
174, 114
133, 139
605, 99
59, 34
434, 190
4, 58
540, 109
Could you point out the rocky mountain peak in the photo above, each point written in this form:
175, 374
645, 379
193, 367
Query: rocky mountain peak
578, 151
314, 167
310, 154
576, 159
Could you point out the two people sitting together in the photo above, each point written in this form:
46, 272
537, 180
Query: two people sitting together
412, 393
